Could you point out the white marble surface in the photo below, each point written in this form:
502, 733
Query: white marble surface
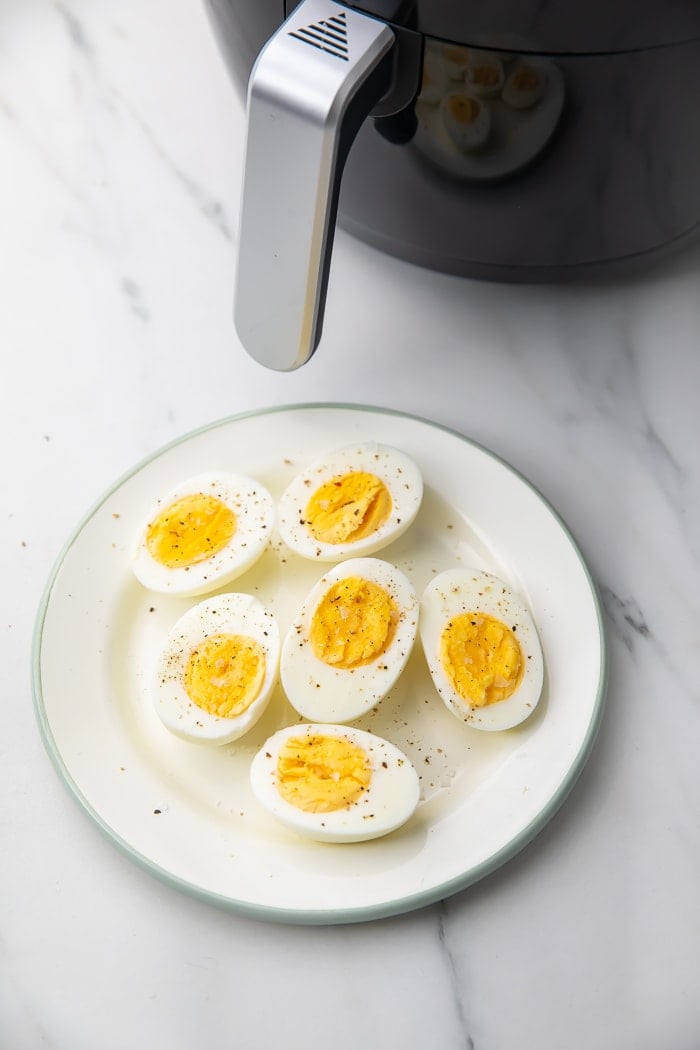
120, 139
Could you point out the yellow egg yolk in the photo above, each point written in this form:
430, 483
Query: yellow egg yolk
224, 674
481, 657
190, 530
458, 55
320, 774
464, 110
353, 624
526, 79
486, 76
348, 507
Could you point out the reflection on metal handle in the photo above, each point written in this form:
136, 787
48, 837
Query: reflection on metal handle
311, 87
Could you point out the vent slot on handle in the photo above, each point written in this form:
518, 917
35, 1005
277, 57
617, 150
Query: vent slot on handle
328, 35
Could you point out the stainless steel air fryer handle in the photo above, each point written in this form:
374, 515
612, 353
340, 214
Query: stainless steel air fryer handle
311, 87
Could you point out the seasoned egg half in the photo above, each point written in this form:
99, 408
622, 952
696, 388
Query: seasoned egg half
354, 501
204, 533
334, 783
350, 640
217, 669
482, 648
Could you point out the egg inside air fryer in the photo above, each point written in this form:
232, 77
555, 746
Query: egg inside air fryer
334, 783
455, 59
435, 78
203, 534
484, 74
217, 669
524, 86
466, 120
354, 501
482, 649
350, 641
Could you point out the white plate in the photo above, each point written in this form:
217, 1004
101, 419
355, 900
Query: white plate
186, 813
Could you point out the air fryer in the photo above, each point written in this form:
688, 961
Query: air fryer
495, 139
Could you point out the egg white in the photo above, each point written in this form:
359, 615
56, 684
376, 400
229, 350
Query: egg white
397, 470
323, 693
435, 78
468, 590
223, 614
388, 802
254, 509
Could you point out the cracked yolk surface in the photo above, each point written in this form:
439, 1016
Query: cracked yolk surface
481, 657
321, 774
190, 530
348, 507
224, 674
354, 623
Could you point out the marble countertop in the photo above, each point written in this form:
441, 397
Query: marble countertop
121, 141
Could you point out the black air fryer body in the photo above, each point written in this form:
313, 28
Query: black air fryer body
601, 170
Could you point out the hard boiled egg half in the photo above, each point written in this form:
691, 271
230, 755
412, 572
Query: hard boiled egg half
466, 119
354, 501
217, 669
334, 783
455, 59
350, 640
434, 79
482, 648
204, 533
525, 85
485, 74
